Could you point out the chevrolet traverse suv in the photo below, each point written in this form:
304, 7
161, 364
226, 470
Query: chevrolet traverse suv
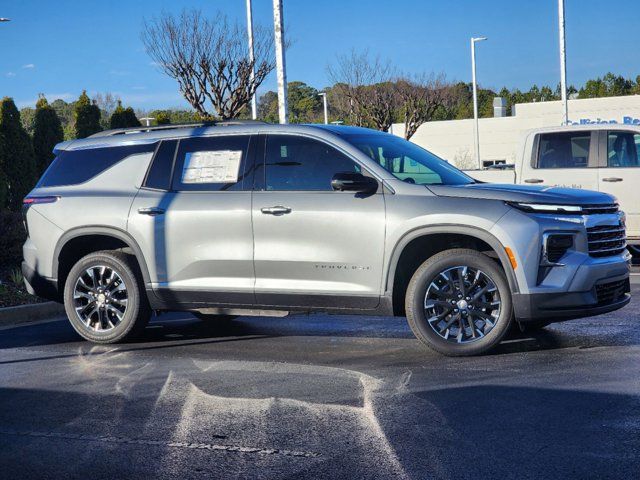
249, 218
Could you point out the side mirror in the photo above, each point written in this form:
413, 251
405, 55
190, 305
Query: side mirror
353, 182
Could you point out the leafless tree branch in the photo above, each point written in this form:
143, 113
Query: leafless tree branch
421, 96
367, 84
209, 59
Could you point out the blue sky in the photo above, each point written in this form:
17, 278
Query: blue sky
60, 47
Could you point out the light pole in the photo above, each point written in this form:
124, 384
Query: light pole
147, 120
563, 63
476, 131
278, 25
324, 103
254, 106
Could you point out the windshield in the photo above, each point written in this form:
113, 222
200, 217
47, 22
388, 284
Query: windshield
407, 161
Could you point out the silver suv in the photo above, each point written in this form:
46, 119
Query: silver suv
243, 218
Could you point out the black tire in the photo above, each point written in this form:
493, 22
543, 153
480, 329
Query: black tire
429, 273
205, 317
136, 313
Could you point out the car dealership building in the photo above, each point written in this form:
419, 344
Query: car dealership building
500, 136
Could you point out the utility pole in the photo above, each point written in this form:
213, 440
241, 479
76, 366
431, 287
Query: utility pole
476, 130
324, 104
278, 25
563, 63
254, 106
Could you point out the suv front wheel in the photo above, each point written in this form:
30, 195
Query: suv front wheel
104, 297
458, 303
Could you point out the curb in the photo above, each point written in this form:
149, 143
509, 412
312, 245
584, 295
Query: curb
30, 313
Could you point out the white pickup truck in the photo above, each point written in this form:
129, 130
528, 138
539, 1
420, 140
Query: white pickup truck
594, 157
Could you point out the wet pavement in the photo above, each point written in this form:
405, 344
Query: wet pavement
320, 397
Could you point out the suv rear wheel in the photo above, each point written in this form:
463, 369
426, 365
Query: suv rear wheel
105, 299
458, 303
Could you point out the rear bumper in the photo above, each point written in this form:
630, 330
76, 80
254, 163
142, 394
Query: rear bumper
605, 296
38, 285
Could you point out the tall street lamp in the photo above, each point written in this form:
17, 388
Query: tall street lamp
476, 132
324, 104
281, 68
254, 106
563, 63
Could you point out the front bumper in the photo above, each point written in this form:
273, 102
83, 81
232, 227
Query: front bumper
605, 296
38, 285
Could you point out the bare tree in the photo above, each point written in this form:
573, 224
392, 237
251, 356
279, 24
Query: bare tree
367, 84
421, 96
464, 160
209, 59
106, 102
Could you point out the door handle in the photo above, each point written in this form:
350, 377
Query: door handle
533, 180
612, 179
277, 210
152, 211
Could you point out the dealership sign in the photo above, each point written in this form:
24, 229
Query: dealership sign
588, 121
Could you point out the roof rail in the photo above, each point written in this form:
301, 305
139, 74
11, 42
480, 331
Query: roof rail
125, 131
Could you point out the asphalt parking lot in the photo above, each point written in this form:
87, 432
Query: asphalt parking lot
320, 397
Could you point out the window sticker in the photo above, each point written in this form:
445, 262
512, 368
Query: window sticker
220, 166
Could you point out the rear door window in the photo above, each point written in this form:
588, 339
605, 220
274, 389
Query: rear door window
72, 167
622, 149
564, 150
216, 163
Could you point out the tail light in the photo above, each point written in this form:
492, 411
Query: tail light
28, 201
35, 200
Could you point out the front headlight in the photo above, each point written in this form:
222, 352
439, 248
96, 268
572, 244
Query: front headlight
546, 208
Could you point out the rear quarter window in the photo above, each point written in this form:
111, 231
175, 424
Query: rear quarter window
72, 167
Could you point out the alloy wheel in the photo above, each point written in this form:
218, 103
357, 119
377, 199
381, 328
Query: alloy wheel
462, 304
100, 298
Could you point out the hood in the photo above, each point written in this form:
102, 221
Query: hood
523, 193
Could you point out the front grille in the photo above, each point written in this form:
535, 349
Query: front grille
606, 240
596, 209
611, 292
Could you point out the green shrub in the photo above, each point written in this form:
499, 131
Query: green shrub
16, 277
123, 117
11, 239
16, 156
87, 117
47, 132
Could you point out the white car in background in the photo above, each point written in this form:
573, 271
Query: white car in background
604, 158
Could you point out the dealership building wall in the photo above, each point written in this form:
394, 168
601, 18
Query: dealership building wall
500, 136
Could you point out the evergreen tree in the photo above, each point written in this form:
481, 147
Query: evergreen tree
16, 155
87, 117
27, 117
47, 132
123, 117
4, 187
163, 118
